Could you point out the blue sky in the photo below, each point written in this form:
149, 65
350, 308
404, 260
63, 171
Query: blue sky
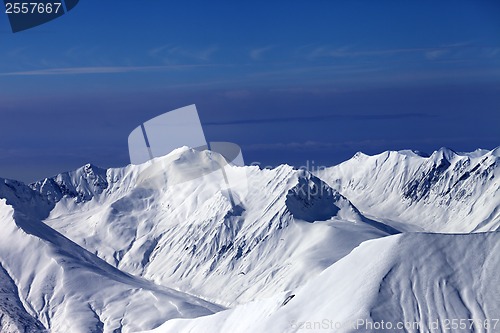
288, 81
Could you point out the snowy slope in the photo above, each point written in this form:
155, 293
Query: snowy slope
53, 282
13, 316
188, 236
27, 201
444, 192
128, 249
411, 278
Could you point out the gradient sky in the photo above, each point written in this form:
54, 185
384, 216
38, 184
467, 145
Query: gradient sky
289, 81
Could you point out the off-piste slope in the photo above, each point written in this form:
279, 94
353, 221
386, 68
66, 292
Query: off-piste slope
413, 282
49, 281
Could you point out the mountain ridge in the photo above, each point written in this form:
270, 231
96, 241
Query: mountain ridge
148, 237
457, 192
192, 226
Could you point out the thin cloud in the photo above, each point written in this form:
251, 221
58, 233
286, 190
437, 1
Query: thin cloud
170, 53
100, 70
316, 145
320, 118
337, 69
237, 94
256, 54
430, 53
349, 52
360, 145
309, 90
435, 54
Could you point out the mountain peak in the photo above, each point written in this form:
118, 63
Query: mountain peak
311, 200
81, 185
24, 199
89, 167
446, 153
360, 155
411, 152
496, 152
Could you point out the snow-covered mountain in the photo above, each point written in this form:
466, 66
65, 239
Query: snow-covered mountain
443, 192
190, 237
127, 249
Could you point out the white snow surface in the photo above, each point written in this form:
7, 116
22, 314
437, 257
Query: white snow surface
128, 249
68, 289
415, 280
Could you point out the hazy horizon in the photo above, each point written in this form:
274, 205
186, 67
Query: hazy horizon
306, 81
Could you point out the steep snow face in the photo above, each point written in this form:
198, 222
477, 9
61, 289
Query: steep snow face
154, 221
312, 200
51, 283
13, 316
445, 192
24, 199
418, 281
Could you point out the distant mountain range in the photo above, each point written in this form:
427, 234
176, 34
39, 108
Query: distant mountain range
373, 238
444, 192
